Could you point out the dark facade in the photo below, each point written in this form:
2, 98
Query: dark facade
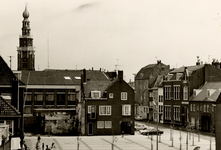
203, 106
113, 112
11, 99
178, 88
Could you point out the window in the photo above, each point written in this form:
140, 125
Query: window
176, 91
126, 110
204, 110
108, 124
104, 110
185, 93
207, 108
160, 108
167, 112
95, 94
177, 113
197, 107
167, 90
201, 108
93, 112
89, 109
160, 98
100, 124
194, 107
123, 95
191, 107
111, 95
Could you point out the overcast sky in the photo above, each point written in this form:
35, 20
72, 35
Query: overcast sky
104, 33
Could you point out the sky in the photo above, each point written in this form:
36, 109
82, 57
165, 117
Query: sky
113, 34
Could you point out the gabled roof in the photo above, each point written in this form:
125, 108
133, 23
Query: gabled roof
6, 74
202, 96
145, 72
7, 110
158, 81
95, 86
190, 69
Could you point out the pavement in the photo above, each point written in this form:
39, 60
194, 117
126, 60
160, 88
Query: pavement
127, 142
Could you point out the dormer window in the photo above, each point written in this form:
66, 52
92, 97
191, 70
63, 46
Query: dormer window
208, 93
95, 94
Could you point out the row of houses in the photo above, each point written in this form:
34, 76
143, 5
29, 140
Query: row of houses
101, 103
180, 97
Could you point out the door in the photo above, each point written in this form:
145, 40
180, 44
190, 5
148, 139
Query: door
90, 128
126, 127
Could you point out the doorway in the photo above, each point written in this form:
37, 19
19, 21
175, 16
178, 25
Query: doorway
90, 128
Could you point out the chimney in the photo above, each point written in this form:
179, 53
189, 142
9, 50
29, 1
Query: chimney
120, 75
84, 76
198, 61
158, 61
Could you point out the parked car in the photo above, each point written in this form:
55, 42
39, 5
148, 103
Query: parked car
148, 131
139, 126
138, 118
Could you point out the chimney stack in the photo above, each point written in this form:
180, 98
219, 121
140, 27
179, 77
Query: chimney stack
120, 75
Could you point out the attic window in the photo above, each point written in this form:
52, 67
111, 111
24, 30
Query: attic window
78, 78
95, 94
67, 78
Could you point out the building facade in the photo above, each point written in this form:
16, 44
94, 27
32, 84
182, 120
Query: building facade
178, 87
144, 81
109, 107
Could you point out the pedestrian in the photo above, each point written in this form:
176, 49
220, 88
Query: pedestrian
38, 147
25, 146
122, 134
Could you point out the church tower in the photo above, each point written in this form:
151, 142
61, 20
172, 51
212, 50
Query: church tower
26, 56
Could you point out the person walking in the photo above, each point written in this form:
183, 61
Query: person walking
38, 147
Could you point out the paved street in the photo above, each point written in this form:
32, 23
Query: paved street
128, 142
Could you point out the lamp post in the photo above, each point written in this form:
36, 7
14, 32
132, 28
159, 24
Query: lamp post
187, 129
172, 126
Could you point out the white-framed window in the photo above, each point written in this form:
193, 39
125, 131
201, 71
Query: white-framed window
176, 91
93, 111
108, 124
204, 108
167, 109
176, 113
201, 108
100, 124
89, 109
185, 93
126, 110
191, 107
95, 94
194, 107
111, 95
123, 95
207, 108
105, 110
167, 90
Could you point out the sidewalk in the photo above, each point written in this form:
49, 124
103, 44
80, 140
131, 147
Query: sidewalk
128, 142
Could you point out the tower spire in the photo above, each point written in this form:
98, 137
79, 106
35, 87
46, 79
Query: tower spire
25, 49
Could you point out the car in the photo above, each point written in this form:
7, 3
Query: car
138, 118
148, 131
139, 126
